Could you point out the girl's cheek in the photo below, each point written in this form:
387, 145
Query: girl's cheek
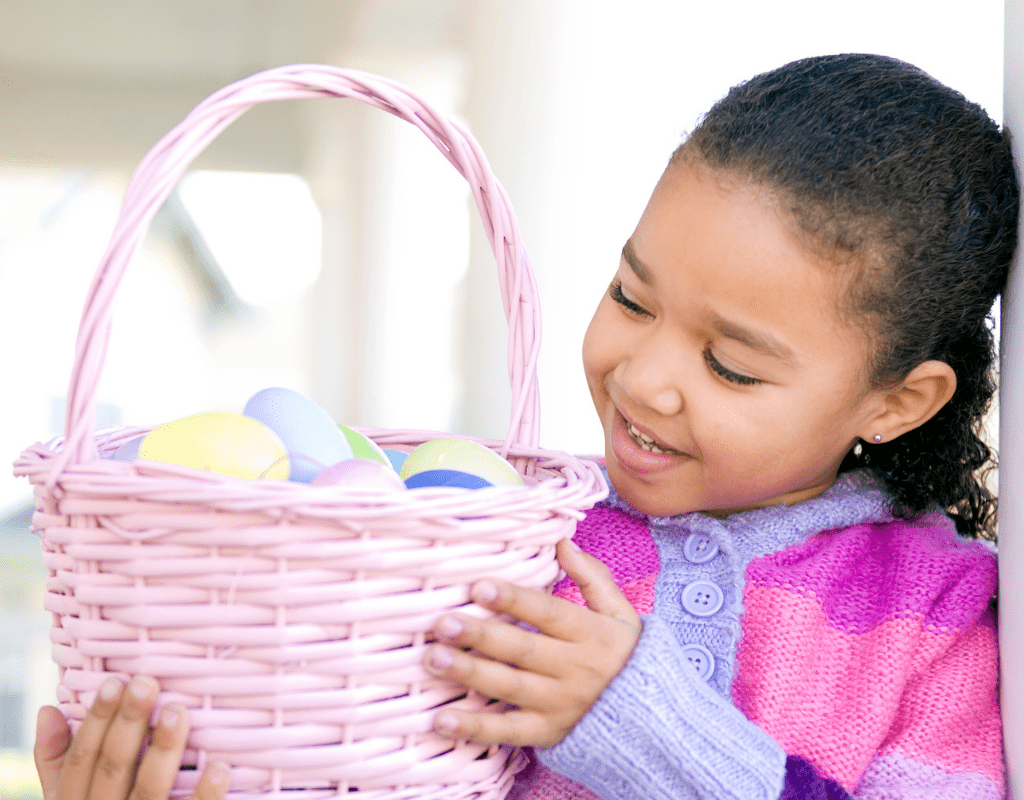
598, 350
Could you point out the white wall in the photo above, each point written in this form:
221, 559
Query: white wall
1011, 468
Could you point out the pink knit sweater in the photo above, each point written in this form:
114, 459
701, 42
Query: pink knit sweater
867, 653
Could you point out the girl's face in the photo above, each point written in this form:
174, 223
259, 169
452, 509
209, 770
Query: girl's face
723, 376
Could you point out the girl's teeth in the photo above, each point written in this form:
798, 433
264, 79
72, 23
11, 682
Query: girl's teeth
645, 442
638, 435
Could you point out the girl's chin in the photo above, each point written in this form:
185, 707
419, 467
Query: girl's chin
646, 493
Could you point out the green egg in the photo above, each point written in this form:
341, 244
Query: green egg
363, 447
461, 455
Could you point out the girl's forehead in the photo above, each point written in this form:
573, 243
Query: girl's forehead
711, 240
696, 212
688, 184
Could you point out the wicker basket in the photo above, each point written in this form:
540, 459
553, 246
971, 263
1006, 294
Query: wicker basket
291, 620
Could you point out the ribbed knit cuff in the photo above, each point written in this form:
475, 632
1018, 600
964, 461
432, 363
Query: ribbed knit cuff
659, 732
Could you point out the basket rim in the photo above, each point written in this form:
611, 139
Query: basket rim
561, 484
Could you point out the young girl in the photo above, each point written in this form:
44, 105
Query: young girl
791, 367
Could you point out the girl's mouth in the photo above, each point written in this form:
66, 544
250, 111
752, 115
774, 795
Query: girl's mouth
648, 444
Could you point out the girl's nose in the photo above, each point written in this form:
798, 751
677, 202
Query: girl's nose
650, 379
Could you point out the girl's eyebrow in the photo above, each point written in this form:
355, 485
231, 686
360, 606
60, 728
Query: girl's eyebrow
761, 342
635, 264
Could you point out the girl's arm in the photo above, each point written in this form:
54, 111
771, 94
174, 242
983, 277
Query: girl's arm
102, 760
648, 728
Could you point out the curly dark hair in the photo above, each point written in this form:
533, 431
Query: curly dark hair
888, 170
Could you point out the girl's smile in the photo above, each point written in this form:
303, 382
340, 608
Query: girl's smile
720, 368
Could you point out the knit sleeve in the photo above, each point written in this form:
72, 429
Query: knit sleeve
660, 732
645, 755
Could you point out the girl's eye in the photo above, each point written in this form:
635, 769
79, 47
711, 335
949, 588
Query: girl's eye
727, 374
626, 303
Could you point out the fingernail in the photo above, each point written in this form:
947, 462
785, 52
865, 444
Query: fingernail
140, 688
110, 689
446, 723
448, 628
169, 716
219, 773
485, 592
575, 547
440, 658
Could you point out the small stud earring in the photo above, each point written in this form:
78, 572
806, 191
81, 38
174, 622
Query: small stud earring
878, 438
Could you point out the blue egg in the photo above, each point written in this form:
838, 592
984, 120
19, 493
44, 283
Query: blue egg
312, 438
446, 477
129, 451
397, 458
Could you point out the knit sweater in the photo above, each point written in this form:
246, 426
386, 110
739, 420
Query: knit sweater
821, 650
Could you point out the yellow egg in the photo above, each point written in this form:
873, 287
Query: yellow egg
231, 444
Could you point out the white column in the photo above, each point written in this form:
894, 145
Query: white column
513, 48
1011, 439
337, 148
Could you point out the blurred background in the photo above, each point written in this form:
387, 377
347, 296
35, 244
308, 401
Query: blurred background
326, 246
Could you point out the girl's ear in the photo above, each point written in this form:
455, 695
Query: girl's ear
927, 388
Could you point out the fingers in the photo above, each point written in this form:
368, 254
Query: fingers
213, 783
597, 585
116, 738
517, 728
84, 752
53, 737
159, 766
102, 761
553, 673
491, 678
501, 641
554, 616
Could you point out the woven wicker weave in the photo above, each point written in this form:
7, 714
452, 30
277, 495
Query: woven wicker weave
292, 620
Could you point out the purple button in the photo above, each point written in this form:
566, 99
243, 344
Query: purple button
701, 659
702, 598
699, 547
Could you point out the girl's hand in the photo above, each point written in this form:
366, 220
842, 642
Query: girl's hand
554, 676
102, 761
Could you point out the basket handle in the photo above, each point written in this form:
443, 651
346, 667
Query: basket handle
159, 172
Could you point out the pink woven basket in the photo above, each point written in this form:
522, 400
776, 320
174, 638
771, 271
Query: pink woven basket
290, 619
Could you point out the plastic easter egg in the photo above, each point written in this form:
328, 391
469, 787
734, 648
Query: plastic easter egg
446, 477
364, 447
397, 458
129, 451
227, 443
360, 473
313, 440
461, 455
